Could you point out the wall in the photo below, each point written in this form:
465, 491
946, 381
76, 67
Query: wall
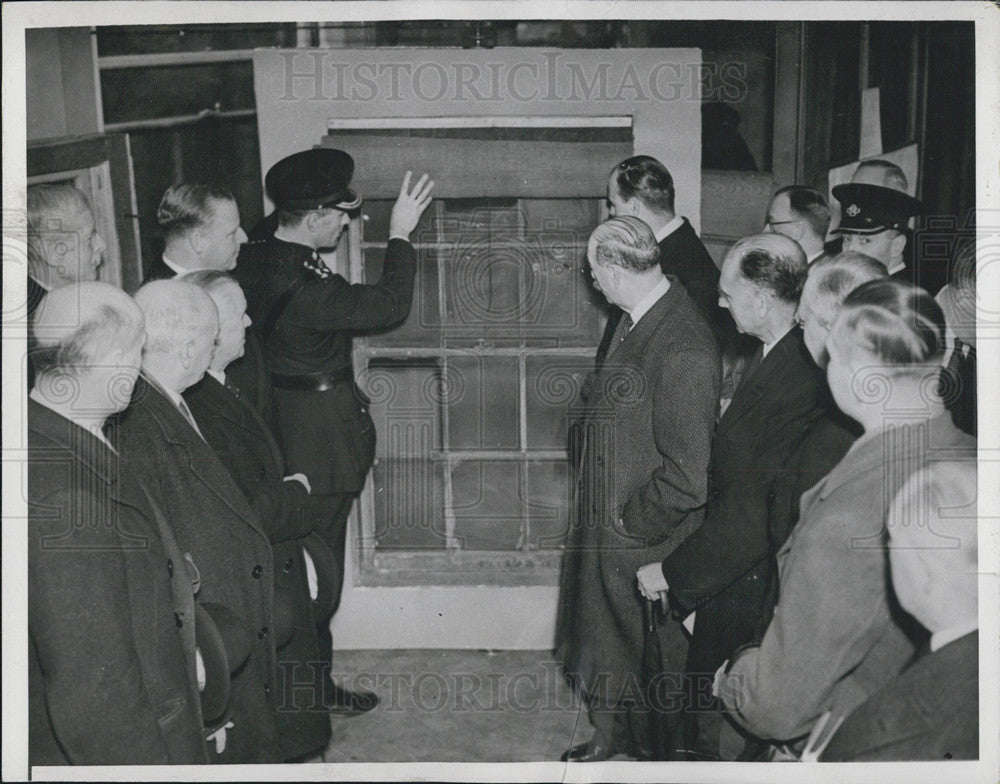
60, 86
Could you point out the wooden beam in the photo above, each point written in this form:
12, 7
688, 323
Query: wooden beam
789, 46
424, 123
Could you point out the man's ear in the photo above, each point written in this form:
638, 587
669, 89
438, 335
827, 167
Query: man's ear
197, 240
763, 299
184, 355
898, 245
311, 220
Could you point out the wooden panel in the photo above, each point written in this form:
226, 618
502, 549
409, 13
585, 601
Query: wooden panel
468, 168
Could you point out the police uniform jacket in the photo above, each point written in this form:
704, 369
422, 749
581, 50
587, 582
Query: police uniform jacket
213, 520
327, 435
111, 673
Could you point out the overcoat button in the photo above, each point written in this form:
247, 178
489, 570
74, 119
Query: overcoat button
170, 567
258, 570
262, 634
177, 618
288, 565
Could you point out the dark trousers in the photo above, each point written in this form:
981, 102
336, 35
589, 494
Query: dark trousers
334, 532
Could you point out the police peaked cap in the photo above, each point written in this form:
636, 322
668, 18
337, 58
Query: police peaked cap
869, 209
314, 179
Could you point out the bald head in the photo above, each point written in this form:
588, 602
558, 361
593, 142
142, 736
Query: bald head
762, 277
87, 339
879, 172
182, 324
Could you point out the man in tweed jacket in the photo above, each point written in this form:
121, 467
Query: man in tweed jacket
642, 481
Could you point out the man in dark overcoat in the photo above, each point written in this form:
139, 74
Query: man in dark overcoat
642, 482
306, 315
724, 571
158, 437
112, 676
642, 186
245, 445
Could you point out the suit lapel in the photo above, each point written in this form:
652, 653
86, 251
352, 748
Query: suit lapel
767, 374
239, 412
208, 471
98, 458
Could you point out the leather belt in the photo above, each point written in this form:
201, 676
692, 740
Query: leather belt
313, 383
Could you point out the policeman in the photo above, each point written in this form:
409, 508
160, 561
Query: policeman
873, 221
306, 315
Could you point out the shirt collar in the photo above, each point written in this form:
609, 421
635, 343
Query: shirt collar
669, 228
177, 270
218, 375
647, 302
941, 638
172, 396
777, 340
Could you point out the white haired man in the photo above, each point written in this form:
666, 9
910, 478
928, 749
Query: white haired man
112, 671
213, 521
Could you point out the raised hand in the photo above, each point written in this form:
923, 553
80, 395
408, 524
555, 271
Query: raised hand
409, 206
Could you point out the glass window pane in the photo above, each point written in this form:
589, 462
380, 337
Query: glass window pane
549, 496
168, 91
408, 493
488, 504
553, 398
155, 39
482, 400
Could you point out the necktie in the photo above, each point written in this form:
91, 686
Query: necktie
182, 406
957, 355
621, 331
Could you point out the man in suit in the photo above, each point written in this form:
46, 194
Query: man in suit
829, 433
63, 244
931, 710
873, 221
641, 488
112, 672
241, 439
201, 230
801, 214
723, 571
158, 437
306, 315
642, 186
